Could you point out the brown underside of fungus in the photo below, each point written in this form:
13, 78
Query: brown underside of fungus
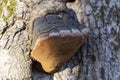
53, 52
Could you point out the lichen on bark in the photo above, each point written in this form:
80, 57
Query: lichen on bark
7, 9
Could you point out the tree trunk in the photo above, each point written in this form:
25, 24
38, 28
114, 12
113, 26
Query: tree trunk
97, 59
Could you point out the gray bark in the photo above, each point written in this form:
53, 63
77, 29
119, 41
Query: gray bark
15, 63
97, 59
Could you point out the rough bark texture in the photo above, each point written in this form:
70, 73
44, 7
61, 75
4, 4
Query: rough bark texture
97, 59
15, 63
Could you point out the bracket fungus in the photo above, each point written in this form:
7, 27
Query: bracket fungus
56, 38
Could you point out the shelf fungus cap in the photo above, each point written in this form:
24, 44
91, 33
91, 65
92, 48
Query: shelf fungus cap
53, 46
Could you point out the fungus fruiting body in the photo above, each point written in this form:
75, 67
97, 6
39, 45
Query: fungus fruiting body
56, 38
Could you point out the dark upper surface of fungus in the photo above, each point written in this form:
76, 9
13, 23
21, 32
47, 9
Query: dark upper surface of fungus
54, 23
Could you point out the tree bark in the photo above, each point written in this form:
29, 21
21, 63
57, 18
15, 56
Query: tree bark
97, 59
14, 43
